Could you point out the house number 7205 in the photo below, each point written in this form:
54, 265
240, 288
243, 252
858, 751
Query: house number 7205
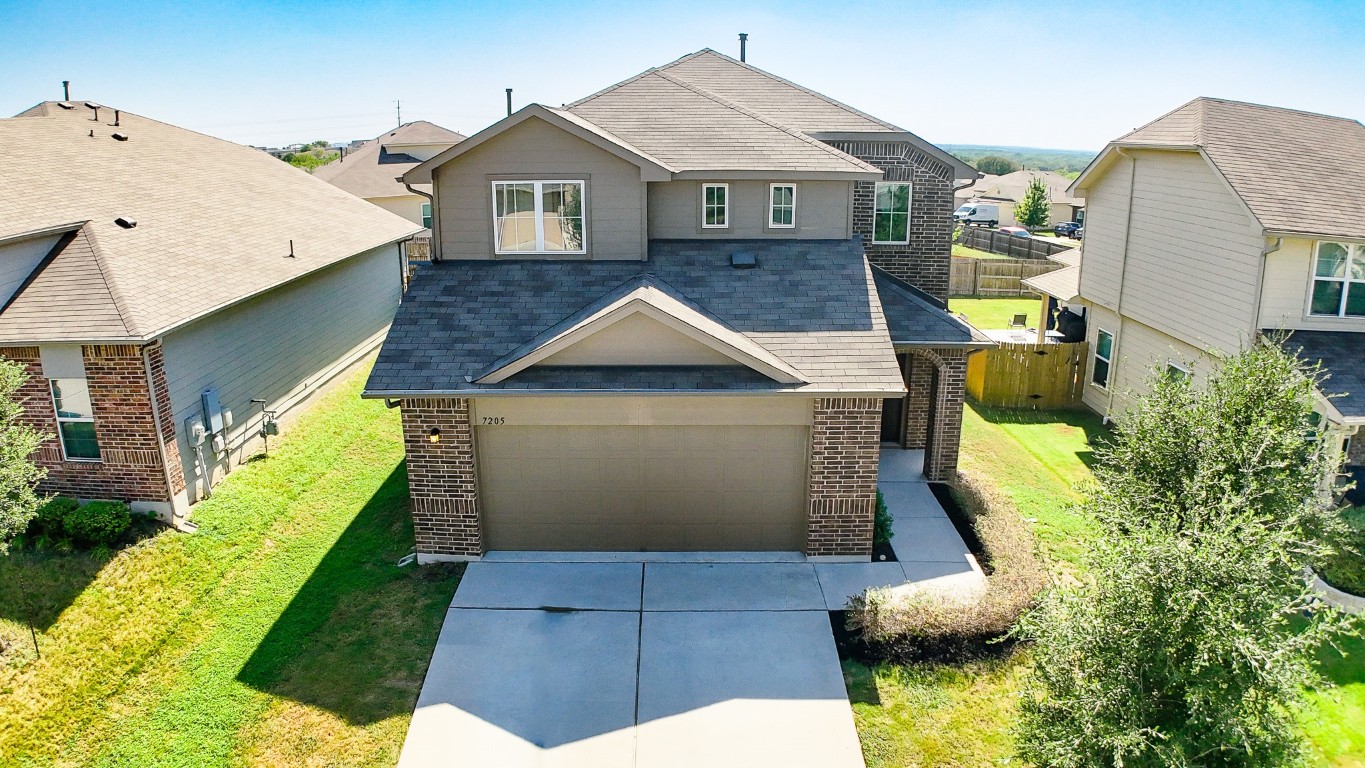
494, 420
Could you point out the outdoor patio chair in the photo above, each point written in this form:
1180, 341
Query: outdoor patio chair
1019, 321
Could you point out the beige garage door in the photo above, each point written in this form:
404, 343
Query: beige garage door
643, 487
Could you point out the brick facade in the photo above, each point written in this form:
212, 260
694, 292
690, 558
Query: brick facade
130, 467
924, 262
920, 381
441, 477
844, 449
941, 450
1355, 456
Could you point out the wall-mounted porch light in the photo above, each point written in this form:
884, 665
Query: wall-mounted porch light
434, 436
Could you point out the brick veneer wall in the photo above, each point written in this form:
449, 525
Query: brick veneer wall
130, 467
441, 477
940, 456
924, 262
1356, 456
844, 448
918, 401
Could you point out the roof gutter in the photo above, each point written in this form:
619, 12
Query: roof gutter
377, 394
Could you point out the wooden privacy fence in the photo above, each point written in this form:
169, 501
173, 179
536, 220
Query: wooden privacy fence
1028, 376
994, 277
415, 251
993, 241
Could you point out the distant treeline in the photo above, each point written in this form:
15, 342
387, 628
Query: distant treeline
1067, 161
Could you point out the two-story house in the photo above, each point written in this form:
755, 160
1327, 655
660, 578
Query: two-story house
682, 313
1215, 226
373, 169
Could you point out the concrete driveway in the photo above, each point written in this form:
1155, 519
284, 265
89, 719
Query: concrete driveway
635, 664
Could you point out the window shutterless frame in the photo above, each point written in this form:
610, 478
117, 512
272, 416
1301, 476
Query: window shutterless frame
524, 224
1173, 370
781, 206
1101, 365
1337, 288
426, 215
75, 419
891, 212
715, 206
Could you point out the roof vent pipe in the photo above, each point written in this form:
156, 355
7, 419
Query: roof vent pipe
509, 102
66, 90
743, 44
116, 118
95, 107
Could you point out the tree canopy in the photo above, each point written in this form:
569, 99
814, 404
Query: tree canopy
1034, 210
996, 165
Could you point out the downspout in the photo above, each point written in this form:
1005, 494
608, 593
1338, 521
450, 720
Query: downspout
1123, 276
435, 218
156, 420
1260, 286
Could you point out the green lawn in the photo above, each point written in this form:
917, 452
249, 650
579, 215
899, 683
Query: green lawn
960, 715
281, 633
964, 251
996, 313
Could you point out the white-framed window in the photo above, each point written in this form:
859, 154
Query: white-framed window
782, 206
715, 206
538, 217
75, 419
1338, 280
891, 212
1177, 372
426, 215
1104, 355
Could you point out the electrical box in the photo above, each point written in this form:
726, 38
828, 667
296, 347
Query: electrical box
213, 411
227, 418
194, 431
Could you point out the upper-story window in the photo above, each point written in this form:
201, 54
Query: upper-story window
75, 419
782, 206
538, 217
891, 212
426, 215
715, 206
1339, 280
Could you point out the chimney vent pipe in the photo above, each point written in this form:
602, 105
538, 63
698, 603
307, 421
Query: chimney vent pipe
509, 102
66, 90
743, 44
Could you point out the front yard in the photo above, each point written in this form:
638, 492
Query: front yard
281, 633
960, 715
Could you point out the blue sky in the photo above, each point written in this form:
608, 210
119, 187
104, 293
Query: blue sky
1046, 74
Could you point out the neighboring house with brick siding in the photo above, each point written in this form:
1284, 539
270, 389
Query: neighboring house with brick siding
687, 312
153, 279
1215, 226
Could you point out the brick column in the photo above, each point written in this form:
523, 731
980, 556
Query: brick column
940, 457
441, 479
844, 448
1356, 455
918, 401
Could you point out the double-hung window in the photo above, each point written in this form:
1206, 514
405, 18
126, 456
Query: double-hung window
75, 419
891, 212
715, 206
1104, 355
426, 215
538, 217
1339, 281
782, 206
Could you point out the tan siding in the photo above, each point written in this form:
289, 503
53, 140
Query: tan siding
821, 210
1140, 352
409, 206
279, 346
18, 260
536, 150
1285, 292
1106, 207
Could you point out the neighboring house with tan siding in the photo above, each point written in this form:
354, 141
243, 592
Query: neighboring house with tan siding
1008, 189
155, 281
687, 312
1215, 226
373, 169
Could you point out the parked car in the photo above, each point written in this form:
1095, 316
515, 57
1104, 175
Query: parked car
1016, 231
1067, 229
977, 213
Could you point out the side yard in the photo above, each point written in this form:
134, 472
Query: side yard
960, 715
996, 313
281, 633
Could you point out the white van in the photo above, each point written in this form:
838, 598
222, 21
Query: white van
978, 213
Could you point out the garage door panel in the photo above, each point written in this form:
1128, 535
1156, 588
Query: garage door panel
650, 487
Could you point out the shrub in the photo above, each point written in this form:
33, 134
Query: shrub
51, 517
936, 626
99, 523
1345, 568
881, 526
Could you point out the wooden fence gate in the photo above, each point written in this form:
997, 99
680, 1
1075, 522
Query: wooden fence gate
995, 277
1028, 376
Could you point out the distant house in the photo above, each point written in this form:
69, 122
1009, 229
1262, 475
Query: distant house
1216, 226
1007, 190
157, 283
372, 171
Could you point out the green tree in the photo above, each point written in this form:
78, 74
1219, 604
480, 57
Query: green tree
19, 475
996, 165
1035, 209
1180, 648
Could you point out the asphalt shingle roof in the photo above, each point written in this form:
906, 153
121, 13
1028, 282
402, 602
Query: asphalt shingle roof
1342, 354
1298, 172
810, 303
373, 170
214, 221
915, 320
